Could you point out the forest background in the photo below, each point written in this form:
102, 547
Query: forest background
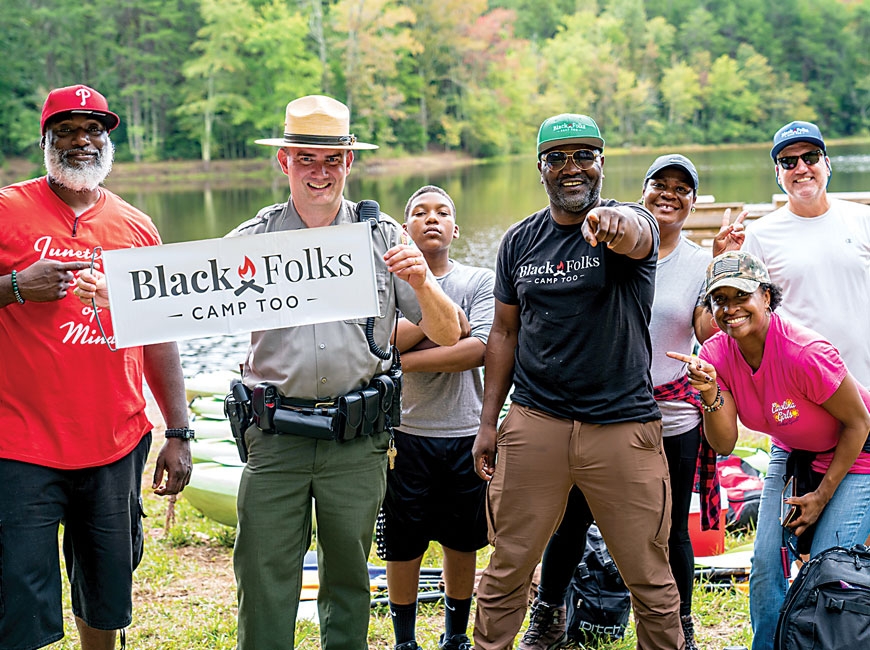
202, 79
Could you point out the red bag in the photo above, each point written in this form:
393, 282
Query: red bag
742, 483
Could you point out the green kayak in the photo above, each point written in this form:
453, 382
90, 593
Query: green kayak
213, 489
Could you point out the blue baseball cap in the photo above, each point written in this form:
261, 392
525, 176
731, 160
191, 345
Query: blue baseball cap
673, 160
796, 132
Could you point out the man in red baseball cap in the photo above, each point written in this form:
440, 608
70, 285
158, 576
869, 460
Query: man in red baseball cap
74, 436
78, 100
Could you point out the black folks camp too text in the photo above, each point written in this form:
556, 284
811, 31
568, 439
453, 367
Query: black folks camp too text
313, 264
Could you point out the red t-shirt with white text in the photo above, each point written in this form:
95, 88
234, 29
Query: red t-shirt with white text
66, 400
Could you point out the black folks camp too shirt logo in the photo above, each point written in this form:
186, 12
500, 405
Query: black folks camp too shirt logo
551, 272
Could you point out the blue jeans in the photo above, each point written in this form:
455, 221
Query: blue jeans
844, 522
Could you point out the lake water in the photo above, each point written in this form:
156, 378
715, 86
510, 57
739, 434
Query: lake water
488, 198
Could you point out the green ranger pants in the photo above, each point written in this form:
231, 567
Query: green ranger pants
284, 473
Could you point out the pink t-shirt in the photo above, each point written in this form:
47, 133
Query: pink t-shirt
799, 371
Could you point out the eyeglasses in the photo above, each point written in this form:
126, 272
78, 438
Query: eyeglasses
583, 158
810, 158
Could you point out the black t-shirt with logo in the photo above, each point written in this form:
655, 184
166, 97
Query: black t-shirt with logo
583, 348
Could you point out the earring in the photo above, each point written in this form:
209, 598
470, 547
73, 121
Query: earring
693, 208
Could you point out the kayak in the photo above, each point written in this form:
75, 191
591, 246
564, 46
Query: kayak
215, 450
207, 428
729, 569
213, 489
209, 383
208, 406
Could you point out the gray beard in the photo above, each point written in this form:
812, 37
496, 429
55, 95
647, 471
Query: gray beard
78, 178
577, 203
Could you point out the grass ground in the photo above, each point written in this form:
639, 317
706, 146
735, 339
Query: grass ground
184, 593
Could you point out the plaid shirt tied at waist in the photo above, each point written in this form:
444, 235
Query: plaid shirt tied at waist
706, 476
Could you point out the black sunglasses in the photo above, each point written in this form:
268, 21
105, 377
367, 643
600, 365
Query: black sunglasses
810, 158
583, 158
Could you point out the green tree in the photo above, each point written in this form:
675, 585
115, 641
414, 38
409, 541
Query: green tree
496, 115
535, 20
152, 41
681, 93
20, 96
374, 36
216, 79
442, 30
279, 65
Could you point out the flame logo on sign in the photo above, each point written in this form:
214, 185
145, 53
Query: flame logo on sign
247, 269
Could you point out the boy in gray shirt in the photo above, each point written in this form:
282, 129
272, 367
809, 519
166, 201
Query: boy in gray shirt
433, 492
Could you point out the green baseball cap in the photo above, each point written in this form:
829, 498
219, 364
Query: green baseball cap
737, 269
569, 128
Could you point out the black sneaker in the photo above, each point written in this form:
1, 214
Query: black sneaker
407, 645
455, 642
547, 625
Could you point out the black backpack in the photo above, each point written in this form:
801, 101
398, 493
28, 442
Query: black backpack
828, 605
598, 601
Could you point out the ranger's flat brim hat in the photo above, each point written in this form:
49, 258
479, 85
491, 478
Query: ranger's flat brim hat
317, 122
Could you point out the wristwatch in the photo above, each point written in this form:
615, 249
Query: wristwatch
184, 434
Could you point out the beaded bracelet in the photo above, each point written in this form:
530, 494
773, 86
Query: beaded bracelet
718, 403
184, 433
15, 289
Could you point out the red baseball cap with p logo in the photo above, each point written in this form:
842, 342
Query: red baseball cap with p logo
80, 100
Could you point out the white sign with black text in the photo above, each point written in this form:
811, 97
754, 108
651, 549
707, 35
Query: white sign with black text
241, 284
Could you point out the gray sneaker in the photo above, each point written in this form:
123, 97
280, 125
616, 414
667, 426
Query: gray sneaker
546, 627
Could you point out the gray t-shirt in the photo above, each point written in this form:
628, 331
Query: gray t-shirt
822, 265
679, 283
448, 404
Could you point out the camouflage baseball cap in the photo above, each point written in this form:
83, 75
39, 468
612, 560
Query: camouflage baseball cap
737, 269
569, 128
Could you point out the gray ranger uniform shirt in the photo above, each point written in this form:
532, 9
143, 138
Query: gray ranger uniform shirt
326, 360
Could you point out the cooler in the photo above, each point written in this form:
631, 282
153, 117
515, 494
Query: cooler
707, 542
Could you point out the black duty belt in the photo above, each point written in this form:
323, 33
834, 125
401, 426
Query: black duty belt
360, 413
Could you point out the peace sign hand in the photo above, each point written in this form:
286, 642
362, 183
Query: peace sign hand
731, 235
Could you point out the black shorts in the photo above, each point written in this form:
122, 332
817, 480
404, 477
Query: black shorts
433, 494
101, 510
